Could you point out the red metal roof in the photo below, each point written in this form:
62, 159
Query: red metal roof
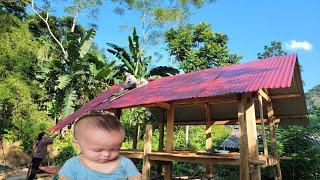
275, 72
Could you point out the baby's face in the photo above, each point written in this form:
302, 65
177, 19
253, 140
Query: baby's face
100, 146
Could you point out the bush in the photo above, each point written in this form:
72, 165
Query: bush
65, 148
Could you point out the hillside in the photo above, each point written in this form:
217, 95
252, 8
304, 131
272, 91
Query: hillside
313, 97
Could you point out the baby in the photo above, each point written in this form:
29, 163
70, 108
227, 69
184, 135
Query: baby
99, 138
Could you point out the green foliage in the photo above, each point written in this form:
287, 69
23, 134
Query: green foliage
134, 60
299, 143
14, 7
198, 47
65, 148
19, 116
313, 98
18, 48
163, 71
275, 49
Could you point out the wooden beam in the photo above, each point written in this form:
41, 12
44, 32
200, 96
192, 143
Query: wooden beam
203, 100
147, 150
252, 136
263, 132
264, 95
244, 159
163, 105
271, 117
285, 96
219, 122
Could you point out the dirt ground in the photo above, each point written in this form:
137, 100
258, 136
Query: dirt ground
9, 173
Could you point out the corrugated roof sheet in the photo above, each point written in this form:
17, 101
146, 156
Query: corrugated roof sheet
232, 141
273, 72
270, 73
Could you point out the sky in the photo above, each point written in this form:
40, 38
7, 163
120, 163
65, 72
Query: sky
249, 24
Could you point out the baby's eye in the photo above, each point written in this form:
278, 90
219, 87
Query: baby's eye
97, 150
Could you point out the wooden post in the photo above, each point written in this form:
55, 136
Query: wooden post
118, 113
244, 159
161, 135
273, 137
209, 168
167, 170
170, 124
147, 149
250, 116
169, 145
263, 132
135, 137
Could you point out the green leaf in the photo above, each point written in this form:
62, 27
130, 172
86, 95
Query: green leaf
68, 103
63, 81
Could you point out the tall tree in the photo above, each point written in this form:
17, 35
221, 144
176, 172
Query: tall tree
275, 49
197, 47
155, 14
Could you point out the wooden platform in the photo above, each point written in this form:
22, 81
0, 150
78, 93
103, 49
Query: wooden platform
200, 157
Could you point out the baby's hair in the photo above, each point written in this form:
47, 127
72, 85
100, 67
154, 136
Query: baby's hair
107, 122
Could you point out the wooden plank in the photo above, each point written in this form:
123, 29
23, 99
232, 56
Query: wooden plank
273, 138
285, 96
244, 159
219, 122
147, 150
264, 95
263, 132
170, 124
252, 136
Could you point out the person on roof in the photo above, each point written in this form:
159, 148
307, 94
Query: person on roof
130, 83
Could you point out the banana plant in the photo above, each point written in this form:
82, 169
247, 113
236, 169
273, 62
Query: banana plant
133, 59
74, 80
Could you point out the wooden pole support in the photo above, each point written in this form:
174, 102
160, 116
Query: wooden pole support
147, 150
263, 132
244, 158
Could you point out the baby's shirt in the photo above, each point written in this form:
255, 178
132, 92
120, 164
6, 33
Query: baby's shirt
73, 169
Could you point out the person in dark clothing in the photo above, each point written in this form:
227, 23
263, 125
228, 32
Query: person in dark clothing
40, 152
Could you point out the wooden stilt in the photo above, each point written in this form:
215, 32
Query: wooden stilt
168, 170
273, 137
244, 159
161, 135
169, 143
250, 116
135, 137
263, 132
147, 149
209, 168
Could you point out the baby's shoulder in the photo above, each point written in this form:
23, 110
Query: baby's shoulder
74, 161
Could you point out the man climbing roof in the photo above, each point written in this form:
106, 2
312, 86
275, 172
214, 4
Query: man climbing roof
130, 83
